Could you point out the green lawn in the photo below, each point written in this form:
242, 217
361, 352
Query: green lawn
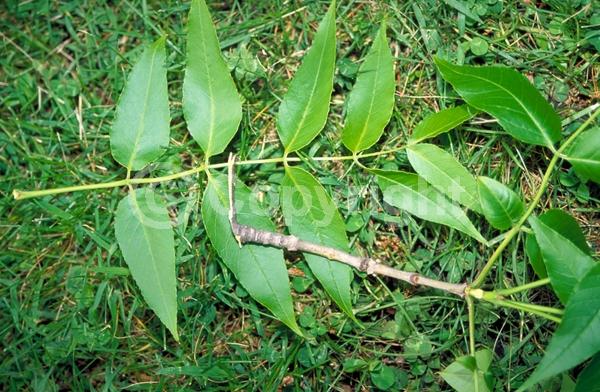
71, 317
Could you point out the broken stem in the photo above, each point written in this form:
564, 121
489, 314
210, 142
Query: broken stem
244, 233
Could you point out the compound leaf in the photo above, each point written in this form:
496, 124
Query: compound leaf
501, 206
584, 154
211, 103
409, 192
303, 112
145, 236
445, 173
140, 132
443, 121
371, 101
576, 338
507, 95
259, 269
565, 225
311, 215
565, 262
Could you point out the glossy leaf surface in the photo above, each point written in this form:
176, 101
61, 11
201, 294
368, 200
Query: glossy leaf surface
565, 225
409, 192
501, 206
371, 101
145, 236
303, 112
311, 215
468, 373
211, 104
140, 132
584, 154
565, 262
507, 95
445, 173
443, 121
259, 269
578, 335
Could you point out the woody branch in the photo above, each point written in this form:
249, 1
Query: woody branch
249, 234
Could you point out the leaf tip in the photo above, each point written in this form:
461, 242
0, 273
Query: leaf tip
158, 44
296, 329
174, 332
331, 10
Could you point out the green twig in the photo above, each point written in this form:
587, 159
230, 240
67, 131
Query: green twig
494, 298
20, 195
471, 314
529, 309
518, 289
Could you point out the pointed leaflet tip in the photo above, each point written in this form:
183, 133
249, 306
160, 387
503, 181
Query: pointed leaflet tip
304, 108
370, 103
161, 40
508, 96
211, 103
140, 132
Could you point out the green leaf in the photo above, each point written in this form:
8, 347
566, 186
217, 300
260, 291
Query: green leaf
535, 256
441, 122
311, 215
140, 132
584, 154
409, 192
478, 46
588, 380
463, 8
351, 365
507, 95
145, 236
259, 269
565, 225
501, 206
468, 373
577, 337
445, 173
565, 262
211, 104
383, 377
303, 112
371, 101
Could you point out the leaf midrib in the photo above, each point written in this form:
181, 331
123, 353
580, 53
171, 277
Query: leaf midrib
424, 158
139, 214
434, 131
311, 96
362, 133
505, 210
466, 229
211, 127
140, 128
535, 121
